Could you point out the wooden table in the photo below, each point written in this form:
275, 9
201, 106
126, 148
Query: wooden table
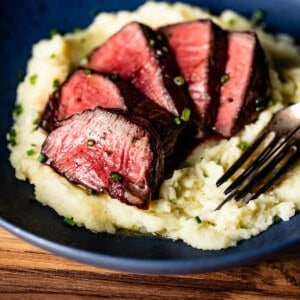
27, 272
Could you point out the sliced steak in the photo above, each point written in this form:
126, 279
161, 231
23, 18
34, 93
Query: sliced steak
200, 51
245, 90
82, 90
86, 89
108, 150
143, 56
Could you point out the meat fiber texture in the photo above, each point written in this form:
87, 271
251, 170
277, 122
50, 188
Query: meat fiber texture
108, 151
245, 92
200, 48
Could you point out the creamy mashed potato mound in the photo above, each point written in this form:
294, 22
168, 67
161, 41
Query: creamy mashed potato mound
190, 194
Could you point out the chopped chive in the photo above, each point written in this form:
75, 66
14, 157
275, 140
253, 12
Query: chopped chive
42, 158
185, 115
83, 61
179, 80
224, 78
82, 40
17, 110
205, 174
90, 143
151, 43
177, 121
277, 219
271, 101
20, 76
53, 32
198, 220
116, 176
165, 49
53, 55
12, 134
69, 221
91, 192
36, 121
258, 16
30, 152
76, 30
114, 76
232, 22
243, 145
159, 36
87, 71
33, 79
55, 83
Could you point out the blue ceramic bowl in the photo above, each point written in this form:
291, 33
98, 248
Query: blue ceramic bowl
24, 22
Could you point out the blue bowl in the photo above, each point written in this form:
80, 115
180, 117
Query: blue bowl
23, 23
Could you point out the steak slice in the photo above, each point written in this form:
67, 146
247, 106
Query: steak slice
200, 51
86, 89
82, 90
143, 56
108, 150
245, 92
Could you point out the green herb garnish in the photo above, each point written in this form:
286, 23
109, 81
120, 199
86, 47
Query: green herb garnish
90, 143
91, 192
12, 135
224, 78
258, 16
151, 43
69, 221
177, 121
17, 110
185, 115
53, 32
53, 55
30, 152
87, 71
198, 220
76, 30
277, 219
179, 80
232, 22
33, 79
42, 158
116, 176
165, 49
271, 101
55, 83
36, 121
243, 145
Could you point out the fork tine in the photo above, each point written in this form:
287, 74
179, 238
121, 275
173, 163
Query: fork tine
264, 153
241, 160
277, 176
262, 174
239, 194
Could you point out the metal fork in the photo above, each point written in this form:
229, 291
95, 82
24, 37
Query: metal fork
267, 159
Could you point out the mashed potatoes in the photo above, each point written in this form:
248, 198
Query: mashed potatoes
185, 210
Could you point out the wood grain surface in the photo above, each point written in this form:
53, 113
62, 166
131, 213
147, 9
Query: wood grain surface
27, 272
